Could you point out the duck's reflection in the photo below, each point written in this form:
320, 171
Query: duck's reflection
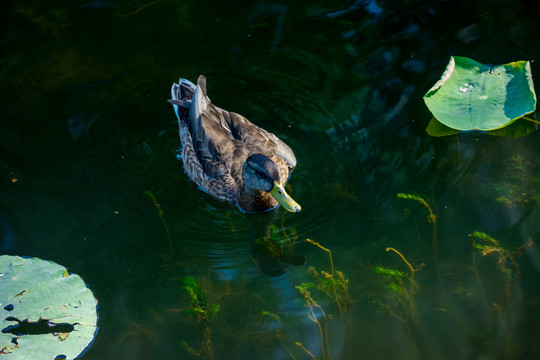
272, 248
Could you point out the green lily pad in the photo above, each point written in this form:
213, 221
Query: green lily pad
45, 312
471, 96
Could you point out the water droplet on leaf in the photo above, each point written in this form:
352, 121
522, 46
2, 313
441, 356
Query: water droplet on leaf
466, 87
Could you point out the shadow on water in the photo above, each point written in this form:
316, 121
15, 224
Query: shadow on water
272, 248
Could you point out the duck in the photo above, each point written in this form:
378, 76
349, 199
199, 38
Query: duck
228, 156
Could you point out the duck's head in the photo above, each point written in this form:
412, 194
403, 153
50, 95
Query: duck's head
261, 173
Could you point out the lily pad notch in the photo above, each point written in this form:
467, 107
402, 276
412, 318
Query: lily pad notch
45, 311
471, 96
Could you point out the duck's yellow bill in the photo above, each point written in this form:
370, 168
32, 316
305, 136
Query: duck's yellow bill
279, 193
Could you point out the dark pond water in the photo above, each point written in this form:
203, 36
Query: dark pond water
88, 149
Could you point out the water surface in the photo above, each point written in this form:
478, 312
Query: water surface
88, 150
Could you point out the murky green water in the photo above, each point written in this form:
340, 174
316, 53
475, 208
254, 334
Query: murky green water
88, 150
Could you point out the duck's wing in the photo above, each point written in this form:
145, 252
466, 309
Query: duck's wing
258, 140
208, 126
222, 140
283, 150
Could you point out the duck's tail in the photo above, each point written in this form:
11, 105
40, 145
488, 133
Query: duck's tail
181, 94
188, 100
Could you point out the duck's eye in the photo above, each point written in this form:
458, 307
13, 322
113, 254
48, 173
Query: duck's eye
259, 173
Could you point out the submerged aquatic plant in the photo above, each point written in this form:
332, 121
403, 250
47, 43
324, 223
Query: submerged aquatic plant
315, 310
286, 237
160, 214
334, 283
204, 315
518, 186
431, 218
335, 286
498, 267
505, 262
275, 318
403, 288
273, 252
